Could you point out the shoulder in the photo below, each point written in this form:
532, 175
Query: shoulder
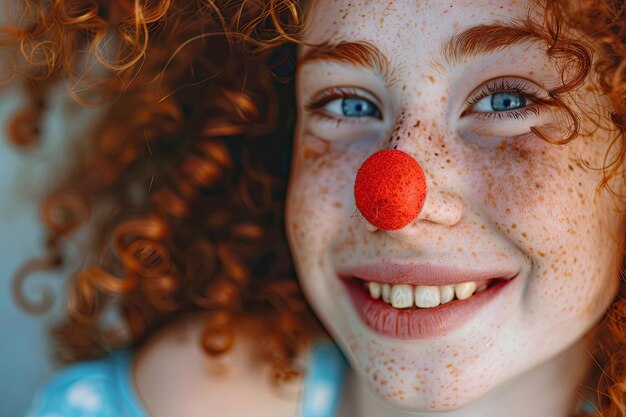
85, 389
174, 376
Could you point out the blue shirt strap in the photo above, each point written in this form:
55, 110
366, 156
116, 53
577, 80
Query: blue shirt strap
324, 380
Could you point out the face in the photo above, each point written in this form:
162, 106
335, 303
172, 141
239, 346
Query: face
503, 207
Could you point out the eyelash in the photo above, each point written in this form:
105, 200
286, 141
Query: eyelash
316, 104
500, 86
506, 86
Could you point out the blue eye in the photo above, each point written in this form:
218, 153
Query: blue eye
353, 107
501, 102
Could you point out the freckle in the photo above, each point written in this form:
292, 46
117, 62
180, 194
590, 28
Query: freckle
383, 382
404, 87
338, 204
507, 210
482, 226
443, 99
524, 234
514, 226
431, 78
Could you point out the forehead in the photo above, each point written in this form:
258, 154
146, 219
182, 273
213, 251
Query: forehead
413, 28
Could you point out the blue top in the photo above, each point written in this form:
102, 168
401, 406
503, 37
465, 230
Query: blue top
104, 388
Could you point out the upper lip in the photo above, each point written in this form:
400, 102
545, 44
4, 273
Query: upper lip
395, 273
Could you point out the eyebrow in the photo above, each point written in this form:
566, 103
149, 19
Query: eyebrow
483, 39
471, 42
358, 53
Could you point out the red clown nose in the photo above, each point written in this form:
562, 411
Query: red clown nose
390, 189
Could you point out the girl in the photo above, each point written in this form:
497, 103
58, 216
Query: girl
480, 293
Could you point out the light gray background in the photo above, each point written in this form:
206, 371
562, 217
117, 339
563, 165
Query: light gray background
24, 344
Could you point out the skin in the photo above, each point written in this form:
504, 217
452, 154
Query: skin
173, 376
498, 195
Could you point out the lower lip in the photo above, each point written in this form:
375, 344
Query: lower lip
421, 323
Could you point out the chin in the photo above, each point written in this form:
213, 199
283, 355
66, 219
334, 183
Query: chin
422, 387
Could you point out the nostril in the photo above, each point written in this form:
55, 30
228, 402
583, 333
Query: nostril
390, 189
442, 208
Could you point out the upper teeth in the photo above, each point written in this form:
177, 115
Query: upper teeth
423, 296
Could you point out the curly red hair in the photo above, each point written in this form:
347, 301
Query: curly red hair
184, 179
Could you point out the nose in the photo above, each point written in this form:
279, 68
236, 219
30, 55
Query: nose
442, 208
390, 189
390, 192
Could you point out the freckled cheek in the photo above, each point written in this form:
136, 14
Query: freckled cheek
529, 199
320, 202
549, 214
552, 218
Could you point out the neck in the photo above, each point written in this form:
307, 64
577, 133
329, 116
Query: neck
547, 390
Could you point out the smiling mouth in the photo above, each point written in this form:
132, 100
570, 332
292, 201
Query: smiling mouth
408, 297
392, 310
